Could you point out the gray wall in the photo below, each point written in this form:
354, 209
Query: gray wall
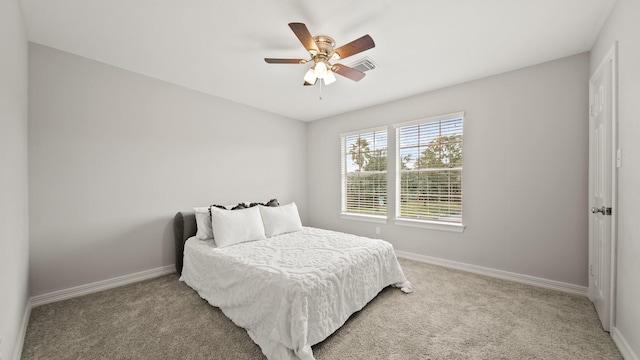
525, 171
623, 26
14, 230
114, 155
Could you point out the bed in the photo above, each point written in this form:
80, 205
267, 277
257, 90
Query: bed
289, 291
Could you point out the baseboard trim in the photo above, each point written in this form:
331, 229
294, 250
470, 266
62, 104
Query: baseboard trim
100, 285
499, 274
17, 350
623, 345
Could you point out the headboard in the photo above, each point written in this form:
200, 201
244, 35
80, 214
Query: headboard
184, 227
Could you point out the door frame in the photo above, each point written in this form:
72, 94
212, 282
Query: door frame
611, 56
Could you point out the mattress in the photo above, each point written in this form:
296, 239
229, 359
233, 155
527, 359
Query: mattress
292, 291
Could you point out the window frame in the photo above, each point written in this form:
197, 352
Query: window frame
344, 214
424, 223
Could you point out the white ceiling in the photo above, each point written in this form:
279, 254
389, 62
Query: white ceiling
218, 46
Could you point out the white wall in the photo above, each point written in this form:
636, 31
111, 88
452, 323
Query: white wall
114, 155
623, 26
525, 171
14, 230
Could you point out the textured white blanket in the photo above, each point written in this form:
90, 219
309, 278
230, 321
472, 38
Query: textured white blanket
293, 290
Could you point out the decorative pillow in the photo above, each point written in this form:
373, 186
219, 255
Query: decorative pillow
203, 223
240, 206
233, 227
280, 220
272, 202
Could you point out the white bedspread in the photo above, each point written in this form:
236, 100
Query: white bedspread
293, 290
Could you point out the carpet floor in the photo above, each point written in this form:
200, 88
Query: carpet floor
450, 315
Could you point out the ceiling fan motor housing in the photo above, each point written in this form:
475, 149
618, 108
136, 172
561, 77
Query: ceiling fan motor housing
325, 46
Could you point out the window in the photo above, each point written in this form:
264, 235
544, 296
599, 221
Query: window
429, 170
364, 173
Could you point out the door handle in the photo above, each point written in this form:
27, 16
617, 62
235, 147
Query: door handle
604, 210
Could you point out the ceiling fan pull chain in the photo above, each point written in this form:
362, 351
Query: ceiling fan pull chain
320, 80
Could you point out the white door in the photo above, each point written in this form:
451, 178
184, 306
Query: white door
602, 172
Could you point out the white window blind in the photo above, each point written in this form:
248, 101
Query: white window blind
429, 170
364, 173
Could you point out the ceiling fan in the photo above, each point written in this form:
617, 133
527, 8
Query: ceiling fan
321, 49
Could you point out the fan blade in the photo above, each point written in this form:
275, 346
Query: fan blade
304, 36
354, 47
285, 61
348, 72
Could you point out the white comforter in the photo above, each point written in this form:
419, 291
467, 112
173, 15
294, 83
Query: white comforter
293, 290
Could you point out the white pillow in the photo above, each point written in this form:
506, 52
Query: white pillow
236, 226
203, 223
280, 219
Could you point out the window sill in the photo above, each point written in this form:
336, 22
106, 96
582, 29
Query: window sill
432, 225
369, 218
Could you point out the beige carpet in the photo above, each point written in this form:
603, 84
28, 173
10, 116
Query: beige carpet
450, 315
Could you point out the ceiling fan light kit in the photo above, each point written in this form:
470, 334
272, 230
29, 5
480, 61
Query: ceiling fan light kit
322, 50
